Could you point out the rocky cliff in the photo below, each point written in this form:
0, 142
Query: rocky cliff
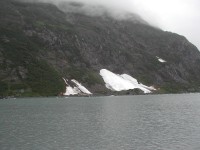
41, 43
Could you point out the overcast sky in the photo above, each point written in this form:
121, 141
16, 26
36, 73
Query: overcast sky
179, 16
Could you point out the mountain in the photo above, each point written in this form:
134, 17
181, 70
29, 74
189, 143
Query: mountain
40, 44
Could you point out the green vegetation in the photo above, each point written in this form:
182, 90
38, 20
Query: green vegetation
172, 88
55, 27
44, 80
3, 89
84, 76
145, 79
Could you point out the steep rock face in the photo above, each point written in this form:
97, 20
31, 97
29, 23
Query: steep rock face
40, 44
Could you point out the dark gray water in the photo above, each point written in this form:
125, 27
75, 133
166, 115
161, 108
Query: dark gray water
162, 122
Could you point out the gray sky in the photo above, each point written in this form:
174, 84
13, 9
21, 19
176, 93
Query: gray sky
179, 16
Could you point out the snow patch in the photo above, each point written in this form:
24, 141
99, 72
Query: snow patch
138, 85
65, 81
115, 82
81, 87
122, 82
78, 89
71, 91
161, 60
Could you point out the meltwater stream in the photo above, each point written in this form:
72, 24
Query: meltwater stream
153, 122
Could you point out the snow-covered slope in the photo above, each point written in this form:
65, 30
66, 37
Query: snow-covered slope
138, 85
81, 87
122, 82
71, 91
78, 89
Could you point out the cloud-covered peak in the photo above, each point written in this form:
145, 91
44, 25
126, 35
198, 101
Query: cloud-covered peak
180, 16
118, 10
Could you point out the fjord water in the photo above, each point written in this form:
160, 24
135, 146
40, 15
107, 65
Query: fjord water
153, 122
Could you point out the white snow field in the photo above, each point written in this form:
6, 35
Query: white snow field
122, 82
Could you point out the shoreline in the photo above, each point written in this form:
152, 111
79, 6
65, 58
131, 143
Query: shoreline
96, 95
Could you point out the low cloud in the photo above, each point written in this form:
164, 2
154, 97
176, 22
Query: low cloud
117, 9
180, 16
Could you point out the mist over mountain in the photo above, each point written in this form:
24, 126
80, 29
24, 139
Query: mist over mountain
94, 8
179, 16
42, 43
